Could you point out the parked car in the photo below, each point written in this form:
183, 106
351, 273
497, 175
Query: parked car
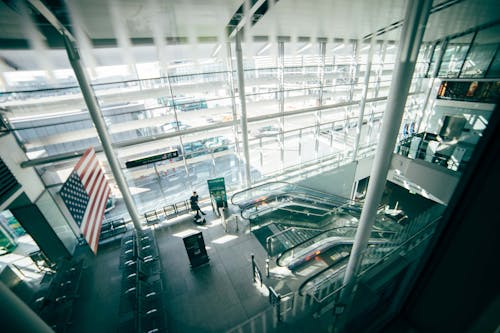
172, 126
264, 131
193, 149
216, 143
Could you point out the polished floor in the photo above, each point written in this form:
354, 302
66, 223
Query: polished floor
211, 298
215, 297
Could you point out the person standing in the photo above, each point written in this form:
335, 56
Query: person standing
194, 204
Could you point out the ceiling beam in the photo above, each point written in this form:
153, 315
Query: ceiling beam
51, 18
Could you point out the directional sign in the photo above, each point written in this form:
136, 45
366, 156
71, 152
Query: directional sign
152, 159
217, 189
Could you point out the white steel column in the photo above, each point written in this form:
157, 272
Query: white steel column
243, 104
281, 78
321, 78
230, 78
412, 32
362, 103
100, 125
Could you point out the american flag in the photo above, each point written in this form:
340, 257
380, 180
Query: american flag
85, 193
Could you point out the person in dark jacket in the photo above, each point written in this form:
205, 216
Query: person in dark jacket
194, 204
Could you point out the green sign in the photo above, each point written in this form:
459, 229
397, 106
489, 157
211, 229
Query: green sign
152, 159
217, 189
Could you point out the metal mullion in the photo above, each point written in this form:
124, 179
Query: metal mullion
431, 58
491, 62
471, 44
177, 125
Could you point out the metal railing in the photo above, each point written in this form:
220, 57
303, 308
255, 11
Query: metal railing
324, 297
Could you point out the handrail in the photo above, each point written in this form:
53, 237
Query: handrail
313, 239
244, 199
298, 189
332, 296
404, 243
268, 238
394, 250
342, 262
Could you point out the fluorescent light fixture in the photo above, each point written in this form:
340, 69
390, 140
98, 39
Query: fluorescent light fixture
338, 47
305, 47
216, 50
224, 239
264, 49
185, 233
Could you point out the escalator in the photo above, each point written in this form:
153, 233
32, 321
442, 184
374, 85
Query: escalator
293, 205
280, 237
327, 246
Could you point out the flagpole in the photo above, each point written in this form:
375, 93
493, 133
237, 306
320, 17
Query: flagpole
100, 125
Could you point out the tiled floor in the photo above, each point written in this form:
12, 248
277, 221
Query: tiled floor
211, 298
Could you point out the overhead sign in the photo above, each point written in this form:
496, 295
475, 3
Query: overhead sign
217, 190
152, 159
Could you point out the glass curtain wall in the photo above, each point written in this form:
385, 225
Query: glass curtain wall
474, 55
303, 105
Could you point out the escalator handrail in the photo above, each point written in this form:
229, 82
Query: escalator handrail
308, 240
294, 187
341, 262
395, 249
282, 207
320, 201
235, 195
281, 255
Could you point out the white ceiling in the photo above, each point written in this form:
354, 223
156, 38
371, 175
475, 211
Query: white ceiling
186, 18
195, 19
332, 19
191, 19
460, 17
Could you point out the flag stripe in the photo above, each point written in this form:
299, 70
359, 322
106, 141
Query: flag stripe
88, 174
100, 202
83, 158
93, 235
93, 198
86, 193
94, 240
97, 228
94, 204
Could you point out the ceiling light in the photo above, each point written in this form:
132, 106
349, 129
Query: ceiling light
338, 47
264, 49
390, 47
303, 48
365, 48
